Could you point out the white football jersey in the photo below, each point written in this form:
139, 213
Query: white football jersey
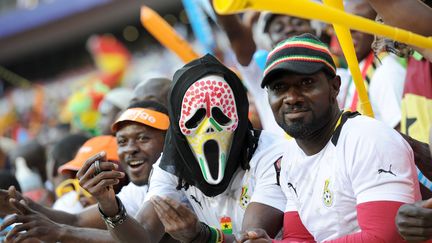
364, 161
225, 211
132, 197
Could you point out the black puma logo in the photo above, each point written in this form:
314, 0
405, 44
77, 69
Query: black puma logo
292, 187
386, 171
196, 200
277, 167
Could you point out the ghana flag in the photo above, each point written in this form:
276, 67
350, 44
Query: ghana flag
226, 225
417, 106
417, 100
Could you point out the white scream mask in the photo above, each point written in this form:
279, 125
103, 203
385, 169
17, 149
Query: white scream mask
208, 121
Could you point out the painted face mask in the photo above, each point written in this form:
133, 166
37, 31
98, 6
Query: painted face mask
208, 121
208, 139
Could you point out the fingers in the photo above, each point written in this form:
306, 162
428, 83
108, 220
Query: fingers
89, 162
179, 208
13, 193
102, 185
416, 233
15, 232
112, 176
402, 221
165, 212
91, 171
252, 234
241, 237
427, 203
182, 228
32, 233
108, 177
415, 211
20, 207
13, 220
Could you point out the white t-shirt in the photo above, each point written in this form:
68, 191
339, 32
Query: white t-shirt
385, 90
132, 197
370, 162
258, 184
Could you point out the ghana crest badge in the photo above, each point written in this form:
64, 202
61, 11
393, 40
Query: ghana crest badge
327, 194
244, 197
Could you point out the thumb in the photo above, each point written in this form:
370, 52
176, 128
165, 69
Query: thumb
427, 203
252, 234
12, 191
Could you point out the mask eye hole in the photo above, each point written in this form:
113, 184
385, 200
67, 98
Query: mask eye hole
220, 117
196, 119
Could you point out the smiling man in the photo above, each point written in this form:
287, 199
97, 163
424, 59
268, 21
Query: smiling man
344, 175
140, 133
212, 159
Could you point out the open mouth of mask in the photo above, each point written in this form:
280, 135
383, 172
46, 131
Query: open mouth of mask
208, 121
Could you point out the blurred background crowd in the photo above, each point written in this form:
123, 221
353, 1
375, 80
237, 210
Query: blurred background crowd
60, 61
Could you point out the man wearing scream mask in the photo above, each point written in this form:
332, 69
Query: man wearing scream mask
139, 140
212, 159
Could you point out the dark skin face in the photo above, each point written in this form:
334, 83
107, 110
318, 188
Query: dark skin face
139, 147
362, 41
108, 114
305, 107
283, 27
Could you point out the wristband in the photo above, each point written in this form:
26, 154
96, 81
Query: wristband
208, 234
216, 235
117, 219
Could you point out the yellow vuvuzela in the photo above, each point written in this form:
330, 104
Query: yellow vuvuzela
311, 10
344, 36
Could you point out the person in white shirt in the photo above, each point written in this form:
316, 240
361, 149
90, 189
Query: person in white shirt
138, 144
383, 73
213, 159
344, 175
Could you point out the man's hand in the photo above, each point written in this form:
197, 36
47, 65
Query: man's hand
179, 221
30, 224
100, 185
5, 195
253, 236
414, 221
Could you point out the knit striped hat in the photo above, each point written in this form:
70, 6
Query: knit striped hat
303, 54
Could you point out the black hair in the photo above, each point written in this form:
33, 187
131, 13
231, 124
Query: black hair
66, 149
8, 179
156, 106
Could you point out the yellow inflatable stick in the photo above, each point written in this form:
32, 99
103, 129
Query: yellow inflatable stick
346, 42
311, 10
166, 35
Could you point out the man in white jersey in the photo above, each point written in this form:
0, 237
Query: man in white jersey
138, 144
344, 175
213, 159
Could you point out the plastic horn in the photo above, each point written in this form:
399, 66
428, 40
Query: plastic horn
311, 10
166, 35
344, 36
200, 25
